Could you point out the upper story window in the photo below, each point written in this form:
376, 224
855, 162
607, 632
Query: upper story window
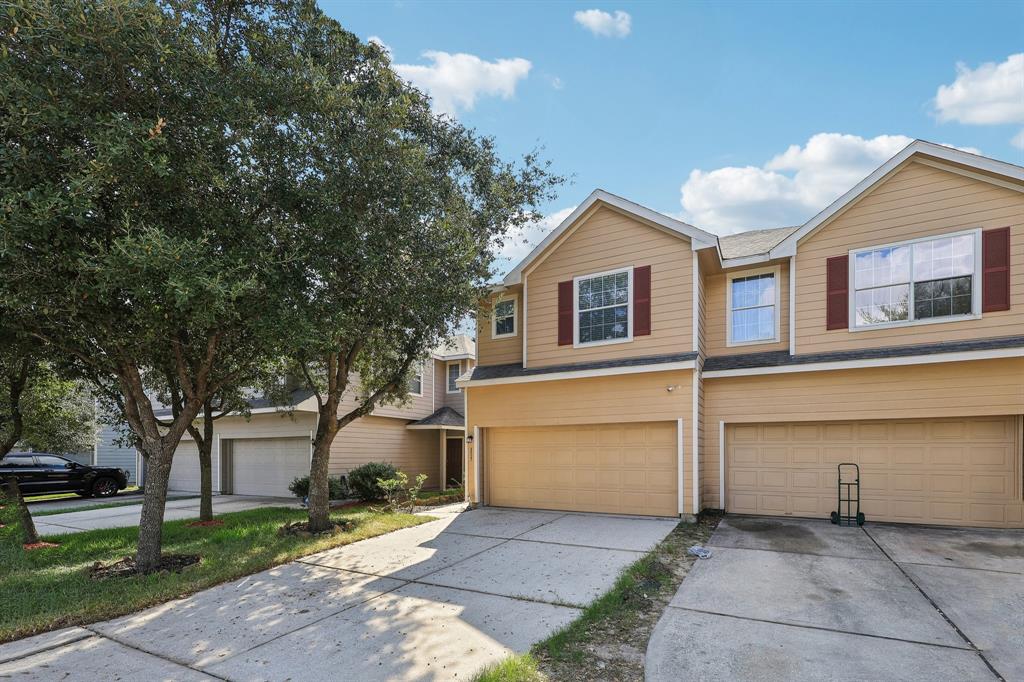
416, 382
917, 281
603, 307
753, 305
454, 369
503, 317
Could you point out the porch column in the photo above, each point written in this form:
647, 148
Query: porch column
444, 458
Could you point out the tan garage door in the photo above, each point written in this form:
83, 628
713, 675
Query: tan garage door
265, 466
963, 471
612, 468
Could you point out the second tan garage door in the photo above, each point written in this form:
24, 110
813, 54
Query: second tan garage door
611, 468
964, 471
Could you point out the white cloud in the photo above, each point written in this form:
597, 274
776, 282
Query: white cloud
455, 81
601, 23
788, 189
1018, 140
988, 95
517, 246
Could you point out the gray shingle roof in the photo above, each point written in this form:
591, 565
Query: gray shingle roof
459, 344
783, 358
444, 416
481, 372
753, 242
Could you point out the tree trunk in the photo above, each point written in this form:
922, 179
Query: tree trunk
205, 481
151, 525
28, 526
320, 489
204, 443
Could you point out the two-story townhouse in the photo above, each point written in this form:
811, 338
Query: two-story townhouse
262, 454
636, 364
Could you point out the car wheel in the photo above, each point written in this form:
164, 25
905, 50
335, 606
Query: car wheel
104, 487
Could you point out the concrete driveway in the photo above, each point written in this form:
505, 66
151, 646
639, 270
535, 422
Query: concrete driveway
128, 514
803, 599
434, 602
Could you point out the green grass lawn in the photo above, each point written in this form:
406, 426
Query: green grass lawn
50, 588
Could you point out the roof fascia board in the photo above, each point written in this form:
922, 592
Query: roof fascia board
698, 238
934, 358
579, 374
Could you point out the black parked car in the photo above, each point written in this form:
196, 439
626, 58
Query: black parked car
40, 474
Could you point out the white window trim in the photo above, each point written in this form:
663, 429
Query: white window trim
515, 316
775, 271
419, 374
447, 384
975, 285
576, 343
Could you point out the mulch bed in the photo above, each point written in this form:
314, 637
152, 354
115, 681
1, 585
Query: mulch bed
169, 563
206, 524
301, 529
439, 500
38, 545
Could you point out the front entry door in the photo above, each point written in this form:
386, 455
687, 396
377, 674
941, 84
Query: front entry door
453, 461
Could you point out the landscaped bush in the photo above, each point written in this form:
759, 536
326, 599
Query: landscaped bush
338, 487
363, 480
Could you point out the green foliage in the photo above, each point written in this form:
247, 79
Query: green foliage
399, 495
338, 487
363, 480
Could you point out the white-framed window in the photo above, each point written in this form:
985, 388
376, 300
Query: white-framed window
919, 281
603, 308
753, 302
503, 317
416, 381
454, 369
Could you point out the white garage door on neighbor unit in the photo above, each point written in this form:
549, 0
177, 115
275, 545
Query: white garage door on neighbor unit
185, 469
265, 466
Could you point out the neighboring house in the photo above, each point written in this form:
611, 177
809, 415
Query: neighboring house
632, 363
261, 455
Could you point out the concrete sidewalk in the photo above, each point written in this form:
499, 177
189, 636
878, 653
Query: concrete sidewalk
128, 515
434, 602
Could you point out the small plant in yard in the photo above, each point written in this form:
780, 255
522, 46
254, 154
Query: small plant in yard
398, 494
364, 480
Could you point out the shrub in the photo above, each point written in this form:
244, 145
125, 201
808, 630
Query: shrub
338, 487
363, 480
399, 494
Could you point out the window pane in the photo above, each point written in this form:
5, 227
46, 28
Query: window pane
453, 374
16, 461
505, 325
755, 290
50, 461
604, 324
943, 297
753, 324
504, 309
944, 257
884, 304
882, 267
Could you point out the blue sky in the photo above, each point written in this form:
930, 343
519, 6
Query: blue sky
731, 116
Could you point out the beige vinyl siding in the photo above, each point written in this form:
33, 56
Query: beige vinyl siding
607, 240
717, 315
626, 398
381, 439
505, 351
418, 407
917, 201
953, 389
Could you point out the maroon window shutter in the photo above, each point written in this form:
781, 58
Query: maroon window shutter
837, 292
642, 301
995, 270
565, 313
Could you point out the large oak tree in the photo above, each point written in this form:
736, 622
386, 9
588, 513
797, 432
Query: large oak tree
194, 188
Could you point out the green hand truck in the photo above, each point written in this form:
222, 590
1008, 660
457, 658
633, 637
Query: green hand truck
852, 497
